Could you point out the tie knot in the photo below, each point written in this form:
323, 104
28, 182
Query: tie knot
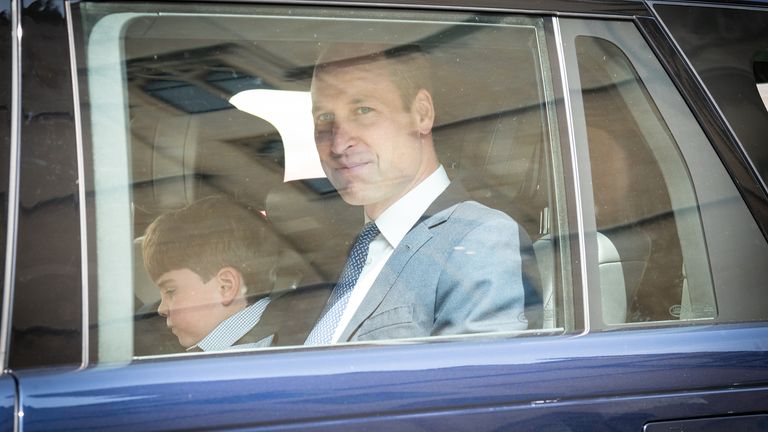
369, 232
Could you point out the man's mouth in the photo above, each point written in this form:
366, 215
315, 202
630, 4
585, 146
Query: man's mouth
351, 167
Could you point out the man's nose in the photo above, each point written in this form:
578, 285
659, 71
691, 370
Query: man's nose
342, 137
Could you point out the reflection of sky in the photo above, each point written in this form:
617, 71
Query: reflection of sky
81, 400
290, 112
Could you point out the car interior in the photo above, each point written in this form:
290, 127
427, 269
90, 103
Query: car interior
493, 135
188, 142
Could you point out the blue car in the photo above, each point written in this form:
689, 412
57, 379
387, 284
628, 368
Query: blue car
183, 184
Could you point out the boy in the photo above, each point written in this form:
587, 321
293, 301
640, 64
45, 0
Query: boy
210, 261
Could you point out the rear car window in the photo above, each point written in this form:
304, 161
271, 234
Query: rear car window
671, 232
642, 193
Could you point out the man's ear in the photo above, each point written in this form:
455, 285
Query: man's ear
230, 285
424, 110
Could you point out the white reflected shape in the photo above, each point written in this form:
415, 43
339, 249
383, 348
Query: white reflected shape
762, 88
290, 112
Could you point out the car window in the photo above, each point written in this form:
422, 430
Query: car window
48, 237
658, 192
214, 107
636, 172
723, 45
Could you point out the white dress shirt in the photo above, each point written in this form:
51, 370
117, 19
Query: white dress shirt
394, 223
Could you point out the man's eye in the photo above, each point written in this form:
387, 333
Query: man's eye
324, 118
364, 110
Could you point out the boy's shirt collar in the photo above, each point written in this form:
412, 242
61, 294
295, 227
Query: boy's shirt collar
232, 329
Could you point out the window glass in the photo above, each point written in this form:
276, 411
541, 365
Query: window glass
47, 256
721, 43
247, 147
641, 189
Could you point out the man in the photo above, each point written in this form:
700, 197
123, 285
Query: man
437, 264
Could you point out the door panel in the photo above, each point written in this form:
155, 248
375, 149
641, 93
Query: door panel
612, 381
749, 423
7, 402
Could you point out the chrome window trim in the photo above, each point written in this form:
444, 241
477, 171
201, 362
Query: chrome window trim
435, 7
575, 176
13, 186
85, 354
13, 202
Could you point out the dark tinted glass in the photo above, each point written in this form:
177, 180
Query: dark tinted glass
721, 45
47, 291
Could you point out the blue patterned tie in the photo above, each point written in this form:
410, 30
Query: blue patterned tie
326, 325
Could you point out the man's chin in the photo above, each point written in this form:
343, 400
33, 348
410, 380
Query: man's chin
353, 196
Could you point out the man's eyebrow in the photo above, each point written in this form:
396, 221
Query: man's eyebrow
318, 108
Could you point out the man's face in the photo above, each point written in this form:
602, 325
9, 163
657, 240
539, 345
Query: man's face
192, 307
369, 143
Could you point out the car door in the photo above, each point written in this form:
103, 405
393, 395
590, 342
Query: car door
648, 307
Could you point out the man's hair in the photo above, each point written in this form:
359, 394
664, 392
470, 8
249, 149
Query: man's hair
408, 64
208, 235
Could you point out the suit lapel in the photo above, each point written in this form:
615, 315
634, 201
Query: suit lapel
416, 238
411, 243
420, 234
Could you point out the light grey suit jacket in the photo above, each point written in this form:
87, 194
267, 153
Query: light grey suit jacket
458, 271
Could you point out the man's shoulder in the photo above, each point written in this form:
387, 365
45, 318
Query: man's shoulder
472, 213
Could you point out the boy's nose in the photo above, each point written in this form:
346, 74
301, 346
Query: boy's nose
162, 308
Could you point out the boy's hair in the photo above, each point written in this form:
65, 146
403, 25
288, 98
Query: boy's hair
210, 234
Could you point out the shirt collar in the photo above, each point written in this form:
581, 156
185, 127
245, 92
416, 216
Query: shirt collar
233, 328
395, 222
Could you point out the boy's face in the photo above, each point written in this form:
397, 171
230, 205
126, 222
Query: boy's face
192, 307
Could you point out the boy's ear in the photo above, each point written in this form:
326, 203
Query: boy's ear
230, 285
